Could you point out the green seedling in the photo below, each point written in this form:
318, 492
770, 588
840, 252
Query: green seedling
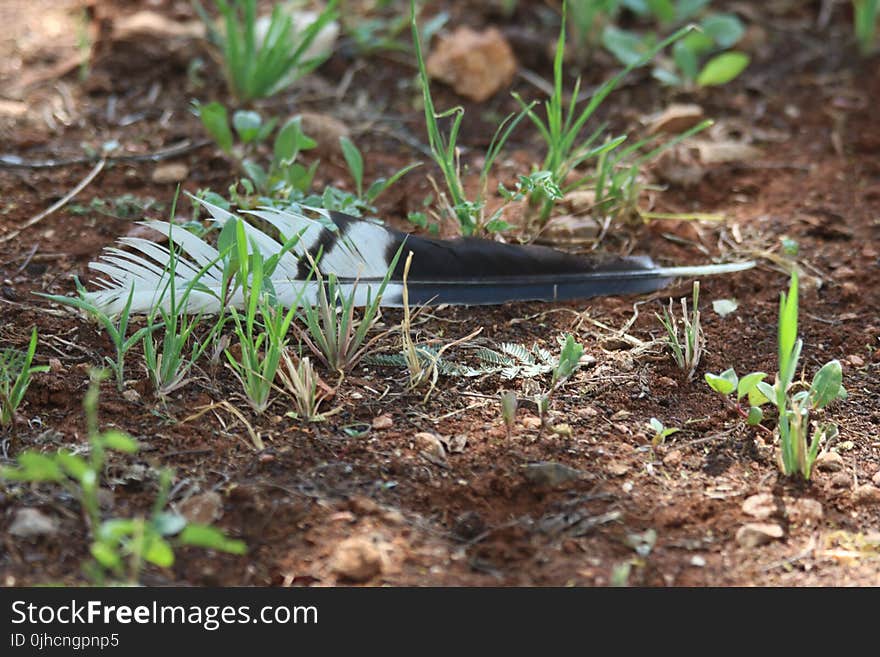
257, 61
470, 213
615, 177
333, 334
569, 361
799, 440
865, 16
120, 547
116, 328
509, 403
284, 178
660, 432
355, 162
703, 58
16, 370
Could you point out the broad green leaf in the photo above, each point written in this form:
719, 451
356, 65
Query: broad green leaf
39, 467
664, 10
216, 121
112, 531
748, 383
723, 383
724, 29
256, 173
826, 384
722, 68
666, 77
159, 552
168, 523
107, 556
698, 43
656, 425
685, 60
686, 9
248, 125
291, 139
212, 538
74, 465
767, 390
355, 162
119, 441
628, 47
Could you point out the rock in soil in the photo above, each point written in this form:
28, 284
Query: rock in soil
172, 172
675, 119
760, 506
204, 508
475, 64
325, 130
358, 559
829, 462
673, 458
32, 523
551, 473
866, 494
755, 534
804, 510
383, 422
876, 478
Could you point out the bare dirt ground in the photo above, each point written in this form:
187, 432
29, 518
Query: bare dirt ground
471, 518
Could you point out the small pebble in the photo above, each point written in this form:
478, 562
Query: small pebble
755, 534
172, 172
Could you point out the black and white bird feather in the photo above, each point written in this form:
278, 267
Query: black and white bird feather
466, 271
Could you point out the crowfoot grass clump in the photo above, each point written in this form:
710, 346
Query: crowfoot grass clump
262, 57
333, 334
302, 383
687, 349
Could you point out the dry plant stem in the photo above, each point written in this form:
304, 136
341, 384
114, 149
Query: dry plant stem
255, 437
58, 204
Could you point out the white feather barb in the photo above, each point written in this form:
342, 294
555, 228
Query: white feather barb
144, 267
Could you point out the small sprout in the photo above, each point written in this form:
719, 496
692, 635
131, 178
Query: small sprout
121, 547
660, 432
789, 246
509, 403
15, 377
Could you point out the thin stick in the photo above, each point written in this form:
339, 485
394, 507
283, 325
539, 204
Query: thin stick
180, 148
58, 205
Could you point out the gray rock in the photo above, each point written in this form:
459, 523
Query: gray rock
32, 523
